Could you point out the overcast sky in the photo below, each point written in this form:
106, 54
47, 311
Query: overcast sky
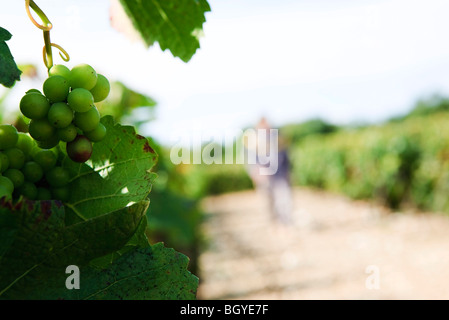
341, 60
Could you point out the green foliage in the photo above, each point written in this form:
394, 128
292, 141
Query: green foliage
174, 215
103, 228
123, 101
117, 173
9, 73
426, 106
295, 132
37, 230
175, 24
399, 163
217, 179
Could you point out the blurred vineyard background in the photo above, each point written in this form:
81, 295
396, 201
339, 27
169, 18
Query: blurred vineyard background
400, 163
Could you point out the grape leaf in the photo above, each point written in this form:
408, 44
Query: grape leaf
151, 273
174, 24
9, 73
117, 174
40, 245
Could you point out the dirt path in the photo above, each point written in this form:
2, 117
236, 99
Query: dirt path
335, 249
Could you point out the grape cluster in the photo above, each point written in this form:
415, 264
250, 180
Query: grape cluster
29, 171
65, 111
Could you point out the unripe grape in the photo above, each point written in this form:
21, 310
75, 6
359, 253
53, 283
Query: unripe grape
33, 91
87, 121
16, 157
57, 177
47, 159
4, 161
34, 105
60, 115
32, 171
101, 89
16, 176
5, 193
50, 143
43, 194
59, 70
7, 184
28, 190
56, 88
80, 100
61, 193
41, 129
83, 76
67, 134
25, 143
97, 134
8, 136
80, 149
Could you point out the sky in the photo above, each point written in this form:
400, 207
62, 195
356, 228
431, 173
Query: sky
344, 61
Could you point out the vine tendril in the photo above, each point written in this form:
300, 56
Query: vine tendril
62, 53
46, 26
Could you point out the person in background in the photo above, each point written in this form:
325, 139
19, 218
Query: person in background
277, 186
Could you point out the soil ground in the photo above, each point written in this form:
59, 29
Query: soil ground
335, 248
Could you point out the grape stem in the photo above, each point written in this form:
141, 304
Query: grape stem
46, 26
46, 22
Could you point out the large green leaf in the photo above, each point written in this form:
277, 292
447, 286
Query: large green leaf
39, 245
9, 73
118, 173
174, 24
152, 273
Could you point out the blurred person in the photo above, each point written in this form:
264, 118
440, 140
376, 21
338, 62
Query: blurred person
270, 151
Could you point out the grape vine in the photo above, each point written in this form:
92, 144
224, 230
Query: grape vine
74, 187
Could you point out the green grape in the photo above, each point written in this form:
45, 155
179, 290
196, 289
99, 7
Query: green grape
25, 143
101, 89
56, 88
5, 193
16, 158
6, 183
28, 190
8, 136
59, 70
16, 176
60, 115
57, 177
97, 134
4, 160
46, 159
80, 100
67, 134
33, 91
41, 129
50, 143
34, 105
43, 194
87, 121
32, 171
61, 193
83, 76
80, 149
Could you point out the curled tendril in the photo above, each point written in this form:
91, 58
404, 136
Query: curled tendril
62, 53
47, 26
